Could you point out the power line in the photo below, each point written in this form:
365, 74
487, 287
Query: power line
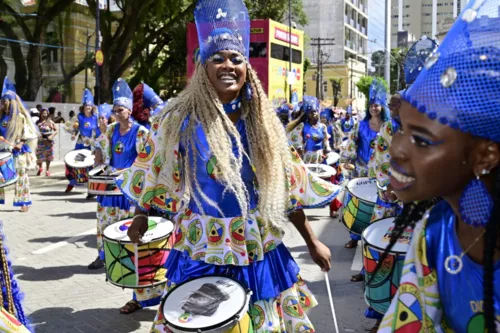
319, 42
20, 41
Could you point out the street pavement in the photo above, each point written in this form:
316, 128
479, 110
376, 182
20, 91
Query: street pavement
53, 243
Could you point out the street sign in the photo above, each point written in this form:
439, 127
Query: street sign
99, 58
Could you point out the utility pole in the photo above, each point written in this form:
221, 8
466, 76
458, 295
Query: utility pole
97, 47
319, 42
352, 78
87, 56
290, 49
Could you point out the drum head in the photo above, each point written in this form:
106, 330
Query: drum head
5, 155
204, 303
378, 235
363, 188
81, 158
332, 158
157, 228
97, 171
322, 170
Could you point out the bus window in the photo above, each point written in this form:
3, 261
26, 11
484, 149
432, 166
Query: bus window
258, 50
283, 53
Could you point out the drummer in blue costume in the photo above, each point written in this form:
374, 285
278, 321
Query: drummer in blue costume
315, 133
347, 122
361, 141
212, 147
22, 136
88, 128
123, 142
449, 147
145, 101
333, 128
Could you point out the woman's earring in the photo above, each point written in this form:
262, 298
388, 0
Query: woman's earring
476, 203
248, 91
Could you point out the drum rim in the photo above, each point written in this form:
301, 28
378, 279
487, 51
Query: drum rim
364, 240
213, 327
130, 242
88, 153
8, 155
370, 305
364, 200
106, 193
103, 177
136, 286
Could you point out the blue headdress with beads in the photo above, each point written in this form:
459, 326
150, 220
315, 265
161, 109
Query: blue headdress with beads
105, 110
309, 104
460, 83
122, 95
222, 25
8, 90
416, 57
87, 98
378, 93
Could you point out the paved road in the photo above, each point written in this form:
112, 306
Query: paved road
53, 243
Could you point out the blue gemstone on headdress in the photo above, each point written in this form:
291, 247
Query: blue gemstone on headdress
443, 120
422, 109
432, 115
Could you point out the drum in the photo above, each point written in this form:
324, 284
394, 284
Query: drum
332, 158
359, 203
322, 171
137, 266
8, 174
213, 304
97, 171
78, 164
103, 185
379, 293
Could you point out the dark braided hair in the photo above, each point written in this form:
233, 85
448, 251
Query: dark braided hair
490, 245
411, 214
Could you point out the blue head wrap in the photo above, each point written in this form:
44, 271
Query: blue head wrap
105, 110
309, 104
460, 83
150, 97
87, 98
378, 94
222, 25
285, 108
158, 109
8, 90
122, 95
327, 114
416, 57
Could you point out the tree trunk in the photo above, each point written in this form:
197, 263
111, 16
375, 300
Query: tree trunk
17, 54
34, 73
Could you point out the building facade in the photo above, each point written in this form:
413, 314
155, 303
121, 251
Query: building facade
412, 19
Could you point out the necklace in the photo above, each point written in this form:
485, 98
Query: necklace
454, 264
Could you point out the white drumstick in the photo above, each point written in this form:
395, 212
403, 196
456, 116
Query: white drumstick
327, 280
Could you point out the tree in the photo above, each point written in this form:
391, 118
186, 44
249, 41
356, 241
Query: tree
337, 90
32, 28
397, 69
364, 84
277, 10
378, 61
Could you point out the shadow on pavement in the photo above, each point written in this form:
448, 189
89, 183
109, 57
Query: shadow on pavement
77, 216
53, 273
71, 200
60, 193
66, 320
89, 241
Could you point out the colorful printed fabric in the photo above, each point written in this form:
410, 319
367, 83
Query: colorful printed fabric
27, 157
295, 137
313, 157
156, 180
426, 300
22, 195
107, 216
45, 150
315, 138
360, 144
335, 136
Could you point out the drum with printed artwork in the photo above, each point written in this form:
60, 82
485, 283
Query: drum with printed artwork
209, 304
137, 266
381, 286
78, 164
8, 174
359, 203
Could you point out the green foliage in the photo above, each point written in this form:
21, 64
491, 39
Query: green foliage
337, 90
277, 10
307, 63
397, 61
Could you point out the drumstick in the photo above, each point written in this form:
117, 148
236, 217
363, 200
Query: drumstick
7, 142
327, 280
118, 172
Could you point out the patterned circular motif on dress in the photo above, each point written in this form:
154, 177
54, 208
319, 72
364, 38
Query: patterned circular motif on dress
194, 232
137, 183
262, 227
305, 300
231, 259
215, 232
237, 229
258, 316
320, 188
292, 307
157, 165
147, 151
296, 178
303, 328
214, 260
180, 236
199, 256
254, 250
270, 246
275, 231
296, 200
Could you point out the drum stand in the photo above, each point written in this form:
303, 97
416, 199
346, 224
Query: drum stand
327, 280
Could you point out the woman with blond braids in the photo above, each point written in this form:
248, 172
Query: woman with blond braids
21, 135
208, 152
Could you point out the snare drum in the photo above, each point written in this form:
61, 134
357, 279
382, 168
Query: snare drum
8, 174
137, 266
78, 164
379, 293
359, 203
210, 304
103, 185
322, 171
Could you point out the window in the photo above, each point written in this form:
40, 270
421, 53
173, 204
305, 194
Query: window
258, 50
325, 87
283, 53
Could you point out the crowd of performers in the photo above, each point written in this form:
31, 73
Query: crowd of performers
219, 164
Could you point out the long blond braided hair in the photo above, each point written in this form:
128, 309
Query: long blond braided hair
269, 153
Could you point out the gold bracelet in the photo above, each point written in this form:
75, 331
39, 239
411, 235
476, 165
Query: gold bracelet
140, 215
